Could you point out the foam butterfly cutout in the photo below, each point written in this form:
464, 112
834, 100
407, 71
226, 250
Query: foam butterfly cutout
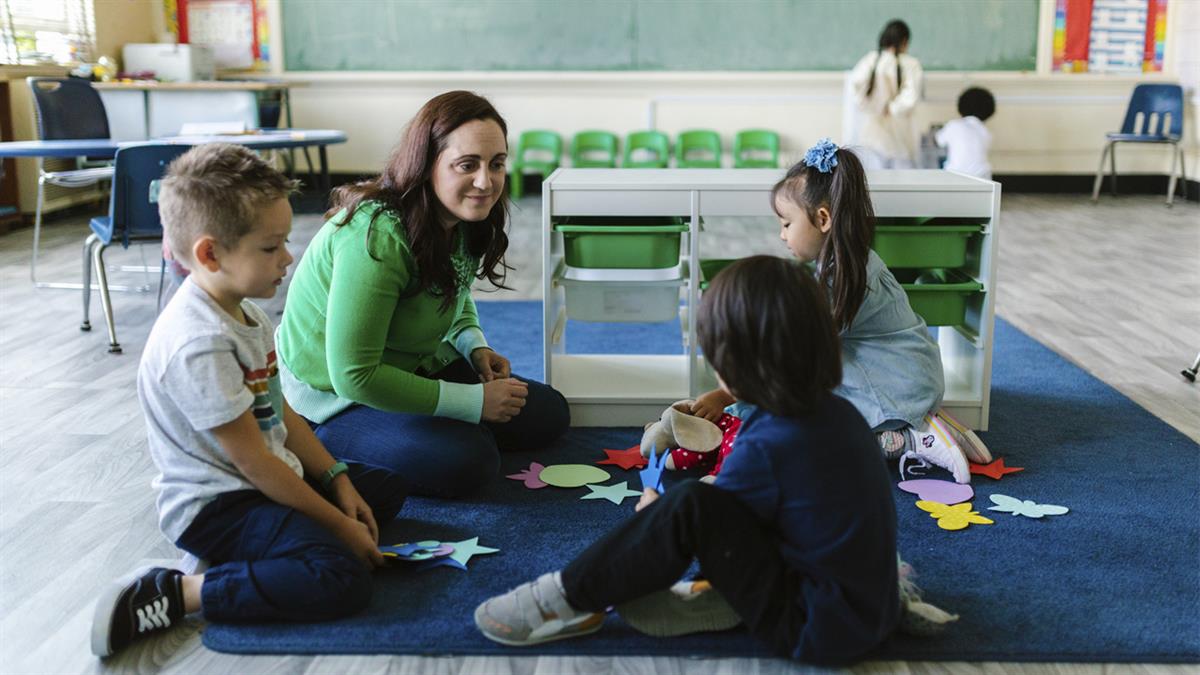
1024, 507
956, 517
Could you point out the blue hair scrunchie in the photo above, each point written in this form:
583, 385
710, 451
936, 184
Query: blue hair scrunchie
822, 156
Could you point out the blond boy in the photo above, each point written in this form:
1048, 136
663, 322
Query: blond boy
289, 531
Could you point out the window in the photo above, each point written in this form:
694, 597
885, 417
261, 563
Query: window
46, 31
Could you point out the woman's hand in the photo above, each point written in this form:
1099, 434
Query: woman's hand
503, 399
648, 497
353, 505
490, 365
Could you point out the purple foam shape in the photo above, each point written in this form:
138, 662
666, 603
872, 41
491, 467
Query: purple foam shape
942, 491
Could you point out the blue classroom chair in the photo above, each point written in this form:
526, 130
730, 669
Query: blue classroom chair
67, 109
1158, 105
132, 218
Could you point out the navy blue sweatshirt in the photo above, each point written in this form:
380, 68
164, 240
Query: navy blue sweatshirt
820, 482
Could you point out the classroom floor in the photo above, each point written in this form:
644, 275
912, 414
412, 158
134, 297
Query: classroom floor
1115, 288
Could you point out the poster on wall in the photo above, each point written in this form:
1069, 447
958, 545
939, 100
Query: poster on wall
230, 27
1109, 36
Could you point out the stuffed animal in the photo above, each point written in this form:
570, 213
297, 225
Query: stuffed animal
692, 441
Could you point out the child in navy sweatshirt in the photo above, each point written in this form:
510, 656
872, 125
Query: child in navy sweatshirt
797, 537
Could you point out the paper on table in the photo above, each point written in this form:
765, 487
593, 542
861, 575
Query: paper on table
212, 128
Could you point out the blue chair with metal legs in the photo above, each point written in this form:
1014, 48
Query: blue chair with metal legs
67, 109
1160, 107
132, 219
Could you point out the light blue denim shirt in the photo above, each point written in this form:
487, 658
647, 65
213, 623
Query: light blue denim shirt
891, 366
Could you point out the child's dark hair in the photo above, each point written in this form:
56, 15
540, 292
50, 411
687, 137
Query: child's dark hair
977, 102
894, 35
765, 326
842, 261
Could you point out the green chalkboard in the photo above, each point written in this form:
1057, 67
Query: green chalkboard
664, 35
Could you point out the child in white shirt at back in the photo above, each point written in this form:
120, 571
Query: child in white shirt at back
966, 139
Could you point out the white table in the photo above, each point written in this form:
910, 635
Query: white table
630, 390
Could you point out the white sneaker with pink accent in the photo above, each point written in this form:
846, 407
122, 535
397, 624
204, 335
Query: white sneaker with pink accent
934, 444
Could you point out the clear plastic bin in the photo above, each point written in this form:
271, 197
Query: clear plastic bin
622, 301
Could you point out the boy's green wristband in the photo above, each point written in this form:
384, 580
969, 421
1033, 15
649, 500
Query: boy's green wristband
332, 472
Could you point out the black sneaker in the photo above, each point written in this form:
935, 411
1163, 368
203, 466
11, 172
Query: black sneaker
144, 602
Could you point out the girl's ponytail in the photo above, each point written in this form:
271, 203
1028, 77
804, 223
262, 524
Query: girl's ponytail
843, 259
894, 35
834, 178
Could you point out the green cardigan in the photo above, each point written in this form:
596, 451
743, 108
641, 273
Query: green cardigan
347, 336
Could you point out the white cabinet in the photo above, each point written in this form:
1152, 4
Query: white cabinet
630, 390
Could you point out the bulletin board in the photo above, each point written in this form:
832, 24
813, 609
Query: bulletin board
236, 30
1110, 36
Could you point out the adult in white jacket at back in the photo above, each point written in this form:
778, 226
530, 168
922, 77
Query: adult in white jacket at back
887, 86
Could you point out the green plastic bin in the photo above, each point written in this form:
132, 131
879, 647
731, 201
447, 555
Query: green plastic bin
709, 269
924, 246
938, 296
622, 242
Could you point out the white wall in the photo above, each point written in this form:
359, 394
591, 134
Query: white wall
1050, 123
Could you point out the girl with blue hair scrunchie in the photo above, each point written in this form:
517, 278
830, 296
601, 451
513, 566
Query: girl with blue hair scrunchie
892, 368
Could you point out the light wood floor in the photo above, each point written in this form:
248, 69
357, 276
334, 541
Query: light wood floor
1115, 288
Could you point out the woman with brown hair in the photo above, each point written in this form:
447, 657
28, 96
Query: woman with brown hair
380, 346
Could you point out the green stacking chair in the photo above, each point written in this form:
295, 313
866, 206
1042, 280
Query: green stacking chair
698, 149
547, 146
655, 142
594, 150
756, 149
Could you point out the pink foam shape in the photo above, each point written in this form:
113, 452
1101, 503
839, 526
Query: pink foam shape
530, 476
932, 490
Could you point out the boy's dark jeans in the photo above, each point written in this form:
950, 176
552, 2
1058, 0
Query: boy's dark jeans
271, 562
694, 520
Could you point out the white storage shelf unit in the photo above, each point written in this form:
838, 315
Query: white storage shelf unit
630, 390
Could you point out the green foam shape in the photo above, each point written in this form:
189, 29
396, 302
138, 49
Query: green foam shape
572, 475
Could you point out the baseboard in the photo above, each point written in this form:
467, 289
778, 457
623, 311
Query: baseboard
1131, 184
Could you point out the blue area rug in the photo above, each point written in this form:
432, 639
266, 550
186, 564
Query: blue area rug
1115, 580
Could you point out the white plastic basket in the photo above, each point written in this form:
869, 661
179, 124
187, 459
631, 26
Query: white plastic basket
622, 301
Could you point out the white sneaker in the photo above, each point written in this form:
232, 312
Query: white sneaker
933, 444
973, 447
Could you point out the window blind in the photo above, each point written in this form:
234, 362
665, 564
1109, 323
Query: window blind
46, 31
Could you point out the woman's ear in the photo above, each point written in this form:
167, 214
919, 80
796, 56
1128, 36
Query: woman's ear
204, 252
823, 221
